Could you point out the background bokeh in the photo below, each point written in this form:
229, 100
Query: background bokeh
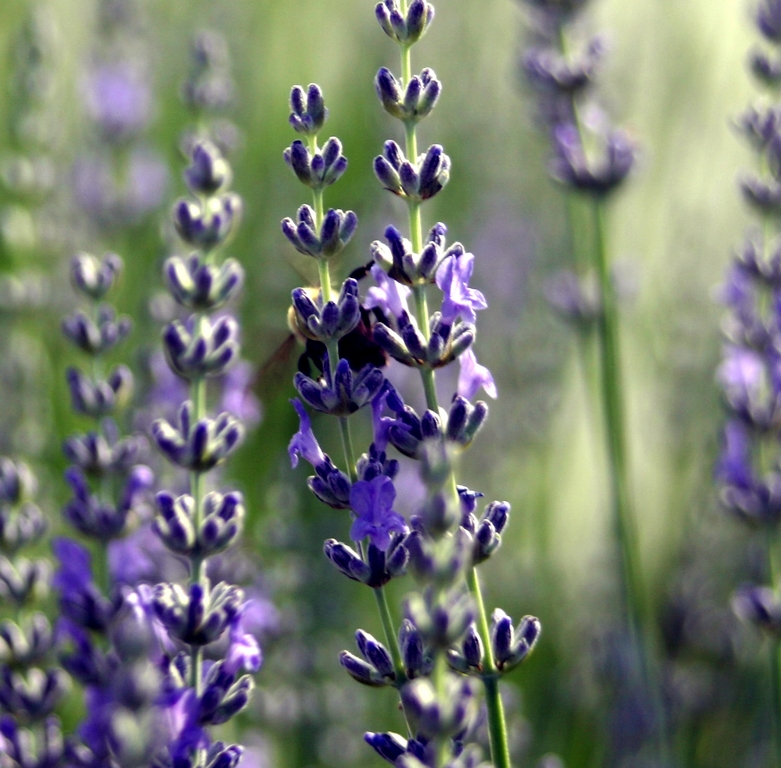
675, 77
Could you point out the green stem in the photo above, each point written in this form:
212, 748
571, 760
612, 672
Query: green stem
613, 412
390, 634
633, 593
497, 729
347, 446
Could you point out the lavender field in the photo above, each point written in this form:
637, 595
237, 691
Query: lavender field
394, 384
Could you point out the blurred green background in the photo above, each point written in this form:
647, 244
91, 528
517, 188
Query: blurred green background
676, 77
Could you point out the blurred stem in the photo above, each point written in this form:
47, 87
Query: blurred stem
635, 602
613, 412
497, 729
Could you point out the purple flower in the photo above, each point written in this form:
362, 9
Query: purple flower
734, 465
371, 501
243, 650
742, 373
304, 443
473, 376
453, 278
118, 99
388, 295
182, 709
75, 565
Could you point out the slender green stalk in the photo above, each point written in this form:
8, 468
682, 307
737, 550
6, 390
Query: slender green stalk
390, 634
633, 592
613, 412
497, 729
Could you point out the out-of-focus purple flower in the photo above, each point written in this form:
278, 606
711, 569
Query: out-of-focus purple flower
237, 397
304, 443
75, 564
118, 100
243, 649
141, 557
734, 465
742, 374
372, 501
571, 166
453, 278
473, 376
111, 198
388, 296
181, 710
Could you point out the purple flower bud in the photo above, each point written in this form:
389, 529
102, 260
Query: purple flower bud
93, 277
307, 111
347, 560
389, 746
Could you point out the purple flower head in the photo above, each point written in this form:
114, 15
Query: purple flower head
388, 295
597, 176
453, 278
371, 502
118, 99
304, 443
473, 376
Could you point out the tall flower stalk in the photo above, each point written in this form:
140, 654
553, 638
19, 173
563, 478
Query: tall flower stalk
590, 161
31, 683
105, 631
748, 468
200, 524
444, 638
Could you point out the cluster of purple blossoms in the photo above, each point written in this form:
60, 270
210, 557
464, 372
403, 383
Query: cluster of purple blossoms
105, 636
750, 373
443, 643
119, 180
589, 157
207, 648
209, 91
31, 682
